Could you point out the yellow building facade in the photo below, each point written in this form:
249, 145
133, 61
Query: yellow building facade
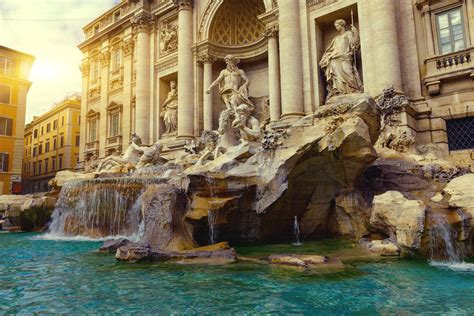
51, 144
15, 67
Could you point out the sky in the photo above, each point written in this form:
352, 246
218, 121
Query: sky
50, 30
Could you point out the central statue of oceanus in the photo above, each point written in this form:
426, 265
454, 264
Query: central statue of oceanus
233, 85
338, 62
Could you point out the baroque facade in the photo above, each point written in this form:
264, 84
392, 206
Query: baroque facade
148, 65
51, 144
15, 67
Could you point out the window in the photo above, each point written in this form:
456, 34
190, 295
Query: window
40, 149
55, 124
96, 29
46, 147
61, 142
39, 166
460, 133
35, 133
116, 59
93, 131
48, 128
77, 140
34, 167
3, 162
60, 163
450, 31
46, 162
54, 143
114, 124
53, 163
5, 66
34, 152
79, 120
62, 121
5, 92
6, 126
42, 130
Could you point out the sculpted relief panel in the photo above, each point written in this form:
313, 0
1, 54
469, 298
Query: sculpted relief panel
169, 37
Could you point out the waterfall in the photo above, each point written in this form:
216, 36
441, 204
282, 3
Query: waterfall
212, 222
99, 208
296, 232
442, 244
444, 250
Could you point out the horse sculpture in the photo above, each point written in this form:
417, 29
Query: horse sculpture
227, 135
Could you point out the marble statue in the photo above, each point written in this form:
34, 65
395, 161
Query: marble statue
208, 143
233, 84
128, 160
248, 126
227, 135
169, 38
170, 111
151, 156
338, 62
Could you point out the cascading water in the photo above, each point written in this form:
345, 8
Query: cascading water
213, 232
99, 208
444, 251
296, 232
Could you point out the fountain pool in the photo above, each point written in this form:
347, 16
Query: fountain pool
46, 276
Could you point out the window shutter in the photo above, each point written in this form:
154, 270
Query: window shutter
9, 127
5, 162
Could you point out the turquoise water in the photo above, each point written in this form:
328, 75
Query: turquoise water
42, 276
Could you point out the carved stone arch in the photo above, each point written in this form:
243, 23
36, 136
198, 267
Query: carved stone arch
242, 32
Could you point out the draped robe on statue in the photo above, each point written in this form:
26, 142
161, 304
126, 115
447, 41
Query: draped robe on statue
338, 64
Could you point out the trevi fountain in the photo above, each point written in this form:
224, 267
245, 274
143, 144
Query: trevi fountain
339, 212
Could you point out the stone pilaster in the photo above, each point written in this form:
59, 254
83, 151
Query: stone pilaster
104, 58
291, 63
185, 69
85, 69
273, 72
142, 23
207, 61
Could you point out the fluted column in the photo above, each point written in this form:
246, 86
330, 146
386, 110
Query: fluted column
385, 50
185, 70
273, 73
142, 23
291, 60
207, 61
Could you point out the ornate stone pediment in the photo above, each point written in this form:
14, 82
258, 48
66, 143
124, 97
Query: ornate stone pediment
91, 114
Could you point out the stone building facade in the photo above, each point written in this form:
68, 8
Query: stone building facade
51, 144
15, 67
133, 52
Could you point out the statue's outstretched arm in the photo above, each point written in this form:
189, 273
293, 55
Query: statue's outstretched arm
216, 82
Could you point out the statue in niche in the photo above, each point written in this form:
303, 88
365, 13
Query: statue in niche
338, 62
233, 84
169, 38
248, 126
170, 111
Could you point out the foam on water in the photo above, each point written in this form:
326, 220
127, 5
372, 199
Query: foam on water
454, 266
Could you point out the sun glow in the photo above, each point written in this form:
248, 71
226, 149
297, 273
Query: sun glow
44, 70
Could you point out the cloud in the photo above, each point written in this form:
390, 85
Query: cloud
50, 30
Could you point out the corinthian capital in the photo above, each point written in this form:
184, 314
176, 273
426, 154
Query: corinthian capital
183, 4
104, 57
85, 67
206, 58
142, 21
271, 31
127, 47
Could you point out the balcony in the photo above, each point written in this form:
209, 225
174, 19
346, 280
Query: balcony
114, 142
92, 147
450, 66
